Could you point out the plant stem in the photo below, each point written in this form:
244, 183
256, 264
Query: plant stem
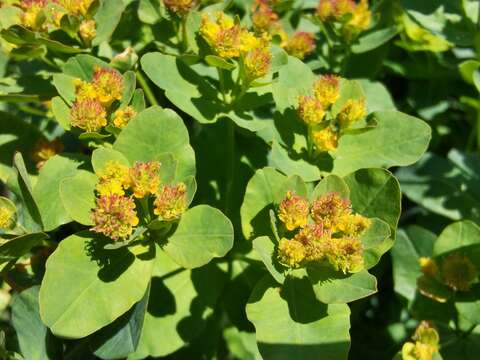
146, 88
230, 173
478, 130
221, 80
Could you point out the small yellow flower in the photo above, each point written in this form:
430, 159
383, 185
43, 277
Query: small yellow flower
115, 216
257, 63
428, 266
326, 10
179, 6
426, 343
310, 110
145, 178
88, 115
290, 253
45, 149
108, 84
7, 217
88, 30
352, 224
327, 89
113, 179
85, 90
293, 211
345, 254
360, 20
76, 7
301, 44
171, 201
353, 111
123, 116
32, 13
458, 272
325, 139
329, 208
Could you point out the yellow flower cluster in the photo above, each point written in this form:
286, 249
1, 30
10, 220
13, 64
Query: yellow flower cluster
425, 343
455, 270
45, 15
44, 150
6, 217
117, 188
266, 21
353, 18
328, 232
94, 99
313, 110
229, 40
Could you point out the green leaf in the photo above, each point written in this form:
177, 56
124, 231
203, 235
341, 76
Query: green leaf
375, 193
458, 235
61, 111
376, 241
329, 184
47, 191
86, 288
65, 86
32, 218
397, 140
291, 323
265, 248
6, 203
19, 246
349, 90
188, 297
333, 287
374, 39
456, 183
82, 66
102, 155
35, 342
129, 83
378, 96
468, 69
77, 194
121, 338
107, 18
203, 233
153, 133
219, 62
242, 345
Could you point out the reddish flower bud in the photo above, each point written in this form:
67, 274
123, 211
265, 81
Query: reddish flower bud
88, 115
171, 201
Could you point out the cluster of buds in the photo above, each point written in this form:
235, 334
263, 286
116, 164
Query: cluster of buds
45, 15
94, 99
180, 7
350, 17
232, 41
7, 217
315, 111
266, 21
424, 345
44, 150
455, 270
327, 231
119, 187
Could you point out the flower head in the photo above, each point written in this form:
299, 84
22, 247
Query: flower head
145, 178
32, 13
115, 216
291, 253
76, 7
353, 111
301, 44
108, 84
113, 179
180, 6
7, 217
123, 116
352, 224
326, 10
328, 209
426, 343
293, 211
310, 110
314, 238
263, 16
171, 201
85, 90
360, 20
257, 63
45, 149
325, 139
458, 272
327, 89
345, 254
88, 115
88, 30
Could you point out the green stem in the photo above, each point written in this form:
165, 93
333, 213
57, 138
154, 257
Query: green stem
230, 175
146, 88
478, 130
221, 80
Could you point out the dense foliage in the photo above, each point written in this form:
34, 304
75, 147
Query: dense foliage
199, 179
